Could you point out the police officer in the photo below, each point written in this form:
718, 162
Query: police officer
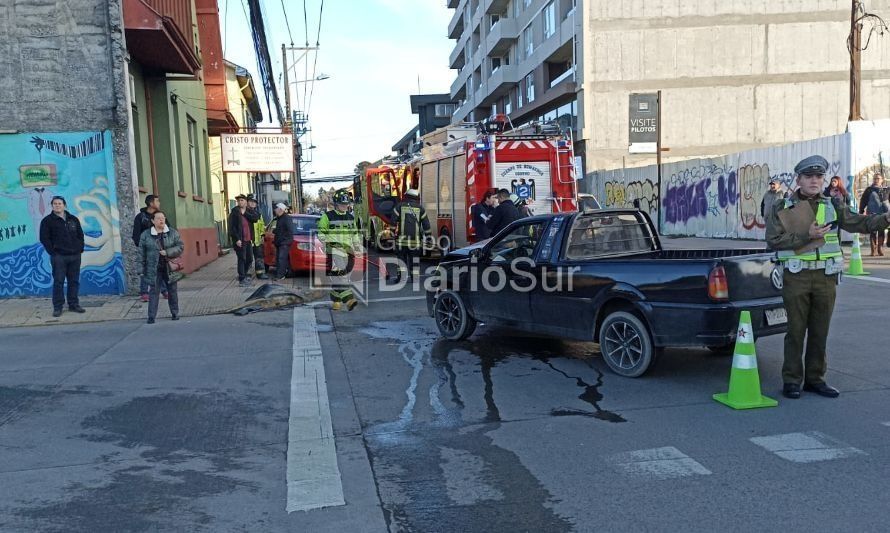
811, 261
338, 232
414, 229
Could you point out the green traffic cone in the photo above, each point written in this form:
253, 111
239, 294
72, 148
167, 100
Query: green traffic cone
855, 268
744, 379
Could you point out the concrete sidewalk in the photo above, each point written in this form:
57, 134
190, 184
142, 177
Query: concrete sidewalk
211, 290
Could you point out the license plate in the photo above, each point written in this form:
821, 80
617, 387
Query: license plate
776, 316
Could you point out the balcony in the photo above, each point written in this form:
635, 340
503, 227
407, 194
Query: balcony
459, 85
461, 113
160, 35
496, 7
457, 59
456, 26
504, 33
499, 83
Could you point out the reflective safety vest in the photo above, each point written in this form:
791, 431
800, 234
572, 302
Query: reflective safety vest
825, 214
259, 228
413, 225
338, 229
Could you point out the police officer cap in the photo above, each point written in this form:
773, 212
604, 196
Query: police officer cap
811, 166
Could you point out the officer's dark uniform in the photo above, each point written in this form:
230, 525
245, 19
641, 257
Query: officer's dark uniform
414, 228
810, 280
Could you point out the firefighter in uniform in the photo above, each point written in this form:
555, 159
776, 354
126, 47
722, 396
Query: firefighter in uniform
413, 227
811, 262
338, 232
259, 229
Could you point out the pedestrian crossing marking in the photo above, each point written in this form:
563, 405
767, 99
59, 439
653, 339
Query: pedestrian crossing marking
809, 447
657, 463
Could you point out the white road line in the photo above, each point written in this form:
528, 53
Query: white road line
657, 463
886, 424
809, 447
867, 278
313, 476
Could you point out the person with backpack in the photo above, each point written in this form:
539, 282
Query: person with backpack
874, 202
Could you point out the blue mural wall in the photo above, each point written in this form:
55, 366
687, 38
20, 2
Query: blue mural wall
34, 167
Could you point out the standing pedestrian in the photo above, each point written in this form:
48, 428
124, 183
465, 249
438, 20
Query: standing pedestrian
504, 214
525, 210
874, 202
769, 198
481, 212
259, 228
413, 227
62, 237
811, 261
241, 232
338, 232
284, 238
837, 190
157, 246
141, 223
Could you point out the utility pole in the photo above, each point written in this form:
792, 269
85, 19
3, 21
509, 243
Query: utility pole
658, 159
296, 178
855, 45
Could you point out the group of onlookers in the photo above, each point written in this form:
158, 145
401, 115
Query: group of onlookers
246, 231
496, 211
874, 201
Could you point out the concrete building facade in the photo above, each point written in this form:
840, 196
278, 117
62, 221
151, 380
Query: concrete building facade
733, 75
515, 57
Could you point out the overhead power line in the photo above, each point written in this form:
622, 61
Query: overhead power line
287, 23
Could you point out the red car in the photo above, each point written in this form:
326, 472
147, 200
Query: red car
307, 252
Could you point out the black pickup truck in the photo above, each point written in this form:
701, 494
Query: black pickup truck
603, 276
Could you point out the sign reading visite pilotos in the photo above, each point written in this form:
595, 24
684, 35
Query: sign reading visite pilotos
643, 123
257, 152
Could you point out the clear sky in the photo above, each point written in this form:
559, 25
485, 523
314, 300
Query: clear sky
373, 51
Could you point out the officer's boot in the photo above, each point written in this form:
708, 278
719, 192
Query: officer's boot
336, 306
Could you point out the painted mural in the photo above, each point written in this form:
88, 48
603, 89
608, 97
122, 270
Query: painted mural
720, 197
34, 168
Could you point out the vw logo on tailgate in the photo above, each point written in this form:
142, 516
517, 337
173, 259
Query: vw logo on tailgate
776, 277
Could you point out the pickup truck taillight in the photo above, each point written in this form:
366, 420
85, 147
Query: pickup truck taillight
718, 288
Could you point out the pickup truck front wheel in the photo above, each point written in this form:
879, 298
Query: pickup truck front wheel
452, 318
626, 344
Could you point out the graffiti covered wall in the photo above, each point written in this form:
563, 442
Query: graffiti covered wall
33, 169
717, 197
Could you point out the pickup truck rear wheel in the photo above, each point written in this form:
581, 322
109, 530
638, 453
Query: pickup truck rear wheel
452, 318
626, 344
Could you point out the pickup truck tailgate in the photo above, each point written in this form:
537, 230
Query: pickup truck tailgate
749, 277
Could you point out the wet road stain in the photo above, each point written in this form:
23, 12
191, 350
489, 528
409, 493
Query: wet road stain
590, 395
447, 474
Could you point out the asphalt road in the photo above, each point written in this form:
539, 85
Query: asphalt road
184, 427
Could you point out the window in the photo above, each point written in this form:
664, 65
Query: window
602, 235
495, 64
517, 8
528, 42
549, 20
141, 176
176, 150
445, 110
521, 241
518, 96
530, 87
193, 154
494, 20
508, 105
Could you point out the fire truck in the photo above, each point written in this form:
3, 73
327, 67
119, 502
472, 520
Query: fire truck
536, 163
376, 191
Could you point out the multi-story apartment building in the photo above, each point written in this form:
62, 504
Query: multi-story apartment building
516, 57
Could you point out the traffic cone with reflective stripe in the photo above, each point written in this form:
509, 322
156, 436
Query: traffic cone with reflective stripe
856, 259
744, 379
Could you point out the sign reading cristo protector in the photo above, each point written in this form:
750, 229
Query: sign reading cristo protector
257, 152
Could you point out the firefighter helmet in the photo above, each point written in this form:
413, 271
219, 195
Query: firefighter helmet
412, 193
342, 197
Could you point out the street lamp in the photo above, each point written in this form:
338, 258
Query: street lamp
320, 77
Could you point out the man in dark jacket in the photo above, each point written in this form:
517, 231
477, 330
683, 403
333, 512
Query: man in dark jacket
62, 237
241, 222
482, 212
505, 213
873, 202
284, 238
141, 223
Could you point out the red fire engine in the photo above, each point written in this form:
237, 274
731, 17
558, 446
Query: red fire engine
535, 163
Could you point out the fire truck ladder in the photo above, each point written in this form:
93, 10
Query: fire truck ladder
568, 149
